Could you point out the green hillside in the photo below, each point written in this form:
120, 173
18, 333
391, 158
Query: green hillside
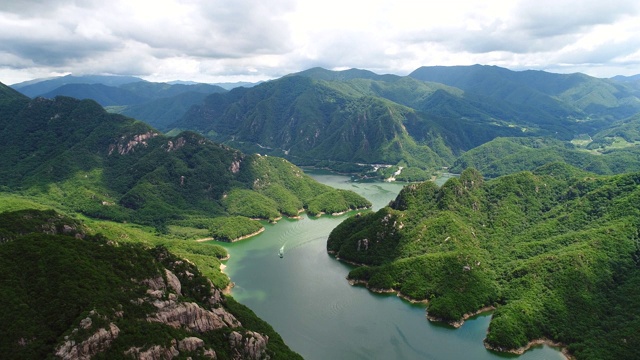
112, 167
503, 156
555, 251
565, 96
73, 294
311, 120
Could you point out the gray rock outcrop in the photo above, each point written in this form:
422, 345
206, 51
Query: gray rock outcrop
98, 342
250, 346
188, 316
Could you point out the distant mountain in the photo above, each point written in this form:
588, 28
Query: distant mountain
163, 103
627, 79
162, 112
233, 85
319, 73
565, 96
317, 115
109, 166
153, 90
102, 94
502, 156
33, 89
312, 120
621, 134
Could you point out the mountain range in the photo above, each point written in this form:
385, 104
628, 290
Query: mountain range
426, 120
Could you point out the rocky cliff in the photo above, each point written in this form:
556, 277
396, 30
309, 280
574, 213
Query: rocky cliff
71, 295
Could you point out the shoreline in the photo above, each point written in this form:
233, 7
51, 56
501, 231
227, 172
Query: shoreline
458, 323
248, 235
233, 240
530, 344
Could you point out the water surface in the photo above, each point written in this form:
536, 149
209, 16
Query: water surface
305, 296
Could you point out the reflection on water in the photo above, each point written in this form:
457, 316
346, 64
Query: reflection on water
305, 296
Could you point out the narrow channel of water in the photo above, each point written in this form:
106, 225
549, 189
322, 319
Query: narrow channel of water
305, 296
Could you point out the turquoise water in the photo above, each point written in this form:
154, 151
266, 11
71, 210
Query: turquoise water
305, 296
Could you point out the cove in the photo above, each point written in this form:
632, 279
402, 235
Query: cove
304, 295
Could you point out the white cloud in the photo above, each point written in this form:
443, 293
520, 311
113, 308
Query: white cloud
255, 40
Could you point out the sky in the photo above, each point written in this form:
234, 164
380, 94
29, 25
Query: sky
253, 40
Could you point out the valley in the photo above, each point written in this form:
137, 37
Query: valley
540, 227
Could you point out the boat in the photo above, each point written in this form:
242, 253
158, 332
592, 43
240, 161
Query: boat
281, 252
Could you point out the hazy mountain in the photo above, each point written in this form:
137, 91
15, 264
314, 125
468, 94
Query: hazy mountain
627, 79
102, 94
319, 73
233, 85
162, 112
33, 89
153, 90
554, 251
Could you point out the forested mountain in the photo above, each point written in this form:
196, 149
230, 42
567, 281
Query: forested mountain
102, 94
556, 251
312, 120
358, 120
109, 166
565, 96
162, 112
320, 116
427, 120
72, 294
157, 104
503, 156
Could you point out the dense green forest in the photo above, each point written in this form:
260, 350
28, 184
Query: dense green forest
111, 167
68, 291
437, 117
556, 251
132, 198
503, 156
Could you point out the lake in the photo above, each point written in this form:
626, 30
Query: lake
306, 298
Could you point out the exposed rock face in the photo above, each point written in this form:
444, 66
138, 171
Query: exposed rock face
125, 146
156, 352
159, 284
216, 295
250, 346
96, 343
173, 282
172, 146
190, 344
188, 316
235, 166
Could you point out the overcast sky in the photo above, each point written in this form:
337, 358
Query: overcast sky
250, 40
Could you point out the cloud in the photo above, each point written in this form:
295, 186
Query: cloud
210, 40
